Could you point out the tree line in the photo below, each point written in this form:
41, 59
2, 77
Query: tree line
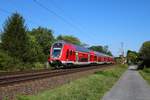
142, 58
21, 48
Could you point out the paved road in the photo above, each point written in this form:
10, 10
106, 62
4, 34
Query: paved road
131, 86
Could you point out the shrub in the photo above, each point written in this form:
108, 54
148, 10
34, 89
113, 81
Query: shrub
145, 54
7, 62
146, 70
38, 65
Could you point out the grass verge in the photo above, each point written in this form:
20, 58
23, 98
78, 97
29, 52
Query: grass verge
146, 74
91, 87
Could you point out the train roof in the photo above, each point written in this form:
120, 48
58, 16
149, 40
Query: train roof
98, 53
78, 48
102, 54
82, 49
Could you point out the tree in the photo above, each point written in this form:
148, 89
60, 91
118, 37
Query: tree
14, 37
34, 51
145, 50
20, 45
60, 37
145, 53
44, 37
70, 39
109, 53
8, 63
98, 48
132, 57
103, 49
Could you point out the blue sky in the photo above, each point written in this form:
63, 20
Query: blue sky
95, 22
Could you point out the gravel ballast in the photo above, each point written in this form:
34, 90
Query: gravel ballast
39, 85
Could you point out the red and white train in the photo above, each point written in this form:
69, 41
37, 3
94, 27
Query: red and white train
67, 54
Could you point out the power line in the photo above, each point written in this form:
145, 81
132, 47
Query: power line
62, 10
122, 48
63, 19
5, 11
8, 12
59, 16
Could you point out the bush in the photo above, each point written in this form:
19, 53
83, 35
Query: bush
8, 63
38, 65
145, 54
146, 70
146, 73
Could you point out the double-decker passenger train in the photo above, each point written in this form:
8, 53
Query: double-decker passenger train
64, 54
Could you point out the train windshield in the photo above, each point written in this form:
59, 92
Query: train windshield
56, 52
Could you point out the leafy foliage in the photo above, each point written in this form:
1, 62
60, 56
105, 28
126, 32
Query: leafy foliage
34, 51
103, 49
7, 62
70, 39
146, 73
44, 38
19, 44
132, 57
98, 48
145, 53
14, 37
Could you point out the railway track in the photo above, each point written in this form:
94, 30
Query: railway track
22, 77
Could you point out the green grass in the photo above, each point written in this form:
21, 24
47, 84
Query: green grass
91, 87
146, 74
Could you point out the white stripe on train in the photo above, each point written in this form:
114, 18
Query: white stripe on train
82, 63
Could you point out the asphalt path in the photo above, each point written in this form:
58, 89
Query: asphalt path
131, 86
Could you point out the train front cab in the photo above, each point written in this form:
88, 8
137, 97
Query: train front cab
55, 54
62, 55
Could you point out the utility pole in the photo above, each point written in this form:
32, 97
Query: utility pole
122, 53
122, 49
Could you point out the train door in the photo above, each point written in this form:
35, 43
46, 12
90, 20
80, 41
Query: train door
67, 55
95, 59
88, 57
72, 55
77, 58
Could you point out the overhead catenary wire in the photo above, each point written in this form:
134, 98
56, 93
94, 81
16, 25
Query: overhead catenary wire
8, 12
60, 9
58, 16
5, 11
68, 17
76, 27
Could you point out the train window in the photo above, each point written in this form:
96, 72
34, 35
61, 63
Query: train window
70, 52
67, 53
56, 52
